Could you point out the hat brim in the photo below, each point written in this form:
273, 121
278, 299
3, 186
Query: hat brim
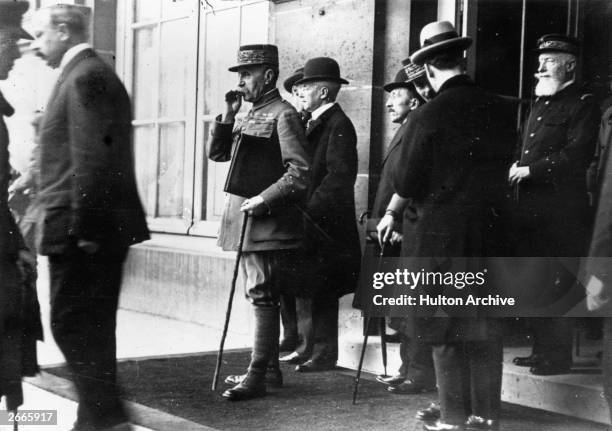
426, 52
321, 78
20, 33
237, 67
291, 81
543, 50
393, 85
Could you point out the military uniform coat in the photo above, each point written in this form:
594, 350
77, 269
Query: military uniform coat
331, 228
558, 144
87, 181
274, 119
453, 164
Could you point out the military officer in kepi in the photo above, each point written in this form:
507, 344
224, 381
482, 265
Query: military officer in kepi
268, 178
549, 173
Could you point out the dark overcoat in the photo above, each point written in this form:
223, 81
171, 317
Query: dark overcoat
87, 182
453, 165
331, 226
277, 123
558, 143
19, 312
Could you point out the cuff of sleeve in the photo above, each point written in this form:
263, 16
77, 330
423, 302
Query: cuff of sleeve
539, 170
222, 130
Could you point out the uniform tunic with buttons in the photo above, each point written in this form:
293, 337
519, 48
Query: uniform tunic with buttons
277, 122
558, 145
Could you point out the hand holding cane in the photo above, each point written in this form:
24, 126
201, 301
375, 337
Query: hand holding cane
228, 312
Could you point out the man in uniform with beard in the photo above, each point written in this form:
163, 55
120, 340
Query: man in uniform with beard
552, 214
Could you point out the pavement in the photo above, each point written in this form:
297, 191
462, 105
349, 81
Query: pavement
142, 335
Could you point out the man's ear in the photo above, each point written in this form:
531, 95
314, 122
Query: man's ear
323, 93
414, 103
63, 31
570, 66
269, 76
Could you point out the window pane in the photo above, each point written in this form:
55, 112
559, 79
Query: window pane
177, 8
254, 23
220, 54
171, 168
147, 10
177, 62
145, 58
145, 164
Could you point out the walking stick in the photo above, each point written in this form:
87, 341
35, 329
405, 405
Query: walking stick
383, 343
228, 312
365, 338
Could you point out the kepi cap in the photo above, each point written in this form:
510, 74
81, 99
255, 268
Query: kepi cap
558, 43
253, 55
11, 13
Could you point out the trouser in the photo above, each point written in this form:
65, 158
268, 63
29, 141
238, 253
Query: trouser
417, 360
552, 339
288, 314
477, 364
84, 298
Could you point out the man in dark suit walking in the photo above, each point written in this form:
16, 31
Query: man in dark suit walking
332, 251
452, 166
91, 212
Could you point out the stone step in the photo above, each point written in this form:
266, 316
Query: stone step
578, 394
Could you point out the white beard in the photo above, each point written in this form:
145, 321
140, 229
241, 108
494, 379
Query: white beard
547, 86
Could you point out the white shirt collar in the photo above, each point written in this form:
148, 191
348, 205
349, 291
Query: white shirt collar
321, 109
71, 53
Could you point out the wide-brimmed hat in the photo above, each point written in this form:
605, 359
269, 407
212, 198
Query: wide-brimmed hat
253, 55
321, 69
11, 13
558, 43
290, 82
437, 37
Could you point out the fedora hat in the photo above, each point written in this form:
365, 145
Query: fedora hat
437, 37
10, 17
558, 43
253, 55
290, 82
321, 69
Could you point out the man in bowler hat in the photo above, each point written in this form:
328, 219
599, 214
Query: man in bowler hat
90, 209
17, 345
552, 216
332, 252
416, 372
452, 169
274, 227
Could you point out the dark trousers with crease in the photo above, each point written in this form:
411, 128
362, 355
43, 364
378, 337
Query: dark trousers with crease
84, 299
317, 320
469, 376
417, 361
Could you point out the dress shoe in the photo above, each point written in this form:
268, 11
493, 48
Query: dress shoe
429, 414
478, 423
409, 387
391, 380
287, 345
550, 368
525, 361
314, 366
292, 358
252, 386
442, 426
274, 378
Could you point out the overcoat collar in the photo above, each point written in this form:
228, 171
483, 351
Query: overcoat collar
266, 99
397, 138
314, 124
6, 109
456, 81
86, 53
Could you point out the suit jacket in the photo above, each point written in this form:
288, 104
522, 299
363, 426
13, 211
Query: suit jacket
10, 237
331, 228
453, 165
87, 182
275, 121
558, 144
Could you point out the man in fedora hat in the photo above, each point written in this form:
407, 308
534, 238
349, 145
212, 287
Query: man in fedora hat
332, 252
549, 174
90, 209
452, 169
17, 358
274, 228
416, 372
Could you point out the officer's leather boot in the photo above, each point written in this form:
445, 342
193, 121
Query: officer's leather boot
265, 347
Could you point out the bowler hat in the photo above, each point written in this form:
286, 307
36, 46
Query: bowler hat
11, 12
253, 55
558, 43
290, 82
322, 69
438, 37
